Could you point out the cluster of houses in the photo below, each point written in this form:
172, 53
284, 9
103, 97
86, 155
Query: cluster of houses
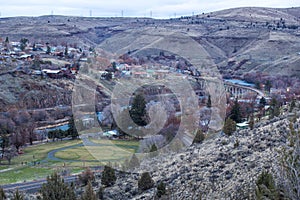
42, 59
126, 71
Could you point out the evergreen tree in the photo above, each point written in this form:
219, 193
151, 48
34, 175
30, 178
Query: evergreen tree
2, 194
161, 189
199, 136
268, 86
55, 189
235, 113
66, 51
145, 182
114, 66
23, 43
4, 139
18, 196
138, 110
251, 122
100, 193
262, 102
153, 150
293, 105
265, 187
89, 193
208, 104
72, 128
274, 108
48, 49
229, 126
6, 40
257, 85
108, 176
34, 47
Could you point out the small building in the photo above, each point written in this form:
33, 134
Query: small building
53, 73
88, 121
242, 125
112, 133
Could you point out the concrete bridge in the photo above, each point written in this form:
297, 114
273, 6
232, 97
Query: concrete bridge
236, 91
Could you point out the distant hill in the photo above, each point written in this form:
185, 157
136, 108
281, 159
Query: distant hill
259, 14
240, 40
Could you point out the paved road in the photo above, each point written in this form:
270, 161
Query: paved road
34, 186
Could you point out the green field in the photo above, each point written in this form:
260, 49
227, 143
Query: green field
20, 174
78, 153
33, 164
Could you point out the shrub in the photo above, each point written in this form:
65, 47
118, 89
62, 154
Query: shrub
251, 122
86, 176
18, 196
145, 182
153, 151
2, 194
229, 126
265, 187
199, 137
100, 193
237, 143
108, 176
55, 188
161, 189
89, 193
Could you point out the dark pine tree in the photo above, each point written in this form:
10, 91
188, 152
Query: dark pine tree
145, 182
153, 150
2, 194
199, 137
235, 113
262, 103
161, 189
89, 193
229, 126
55, 189
274, 108
208, 104
108, 176
18, 196
72, 128
138, 110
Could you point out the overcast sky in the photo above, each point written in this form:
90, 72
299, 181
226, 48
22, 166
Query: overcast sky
130, 8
